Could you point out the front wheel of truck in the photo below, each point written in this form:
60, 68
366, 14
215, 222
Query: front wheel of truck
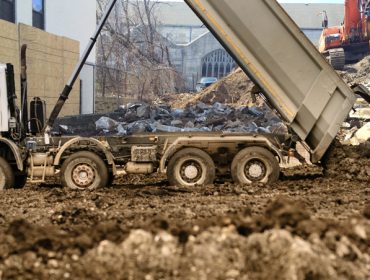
84, 171
6, 175
255, 165
191, 167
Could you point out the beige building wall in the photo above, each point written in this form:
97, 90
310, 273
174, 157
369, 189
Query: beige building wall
9, 47
50, 62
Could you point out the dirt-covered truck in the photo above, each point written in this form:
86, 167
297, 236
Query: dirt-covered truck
297, 81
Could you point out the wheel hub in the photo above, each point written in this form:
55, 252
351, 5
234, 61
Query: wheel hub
255, 170
83, 175
191, 171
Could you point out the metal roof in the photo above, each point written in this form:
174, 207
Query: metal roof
305, 15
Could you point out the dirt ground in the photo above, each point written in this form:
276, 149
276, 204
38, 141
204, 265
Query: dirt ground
307, 226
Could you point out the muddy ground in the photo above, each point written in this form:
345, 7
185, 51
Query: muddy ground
307, 226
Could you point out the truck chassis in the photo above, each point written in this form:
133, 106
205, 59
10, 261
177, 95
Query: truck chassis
188, 159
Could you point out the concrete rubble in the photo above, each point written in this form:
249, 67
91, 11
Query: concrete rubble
145, 118
361, 136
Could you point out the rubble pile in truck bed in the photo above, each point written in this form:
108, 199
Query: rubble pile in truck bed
228, 106
141, 118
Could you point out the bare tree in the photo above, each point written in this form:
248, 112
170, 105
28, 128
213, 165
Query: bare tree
133, 58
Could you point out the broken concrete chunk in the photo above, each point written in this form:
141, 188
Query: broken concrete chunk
105, 123
143, 111
177, 113
350, 133
362, 135
138, 127
202, 106
121, 130
165, 128
219, 107
176, 123
64, 129
255, 111
189, 124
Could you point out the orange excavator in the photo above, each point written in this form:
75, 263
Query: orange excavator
349, 42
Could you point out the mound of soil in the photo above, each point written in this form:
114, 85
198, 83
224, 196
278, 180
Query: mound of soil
348, 162
158, 232
236, 89
357, 73
285, 239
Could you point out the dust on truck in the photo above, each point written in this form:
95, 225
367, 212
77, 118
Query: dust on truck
297, 81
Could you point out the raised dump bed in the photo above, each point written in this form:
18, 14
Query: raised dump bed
278, 57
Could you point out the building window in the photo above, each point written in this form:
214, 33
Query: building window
7, 10
38, 14
217, 64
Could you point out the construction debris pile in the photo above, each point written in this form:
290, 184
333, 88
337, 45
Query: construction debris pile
356, 130
141, 118
235, 89
357, 73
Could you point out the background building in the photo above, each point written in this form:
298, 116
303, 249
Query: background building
197, 53
68, 18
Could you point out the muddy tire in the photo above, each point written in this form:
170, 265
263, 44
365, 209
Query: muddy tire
20, 181
84, 171
6, 175
255, 165
110, 179
191, 167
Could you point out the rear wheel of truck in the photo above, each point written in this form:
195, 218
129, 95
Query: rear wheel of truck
191, 167
20, 181
255, 165
6, 175
84, 171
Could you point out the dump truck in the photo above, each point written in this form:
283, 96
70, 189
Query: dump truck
296, 80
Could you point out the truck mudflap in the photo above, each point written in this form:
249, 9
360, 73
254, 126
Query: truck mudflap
298, 82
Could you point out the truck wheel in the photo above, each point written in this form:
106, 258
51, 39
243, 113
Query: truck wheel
84, 171
20, 181
191, 167
255, 165
6, 175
